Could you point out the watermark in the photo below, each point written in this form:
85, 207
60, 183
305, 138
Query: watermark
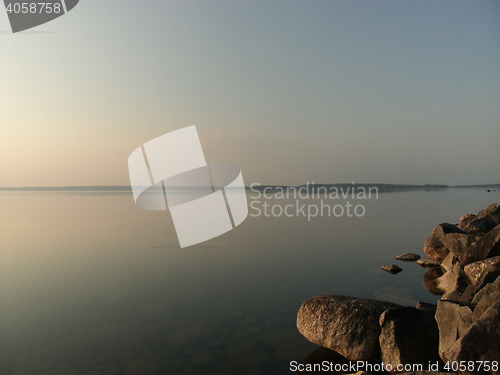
26, 14
205, 200
310, 200
356, 366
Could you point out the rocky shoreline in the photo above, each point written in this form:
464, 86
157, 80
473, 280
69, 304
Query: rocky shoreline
459, 335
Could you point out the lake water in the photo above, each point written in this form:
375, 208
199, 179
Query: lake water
91, 284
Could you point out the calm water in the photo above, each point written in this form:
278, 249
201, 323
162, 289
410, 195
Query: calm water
90, 284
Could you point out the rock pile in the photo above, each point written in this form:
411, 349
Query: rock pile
465, 325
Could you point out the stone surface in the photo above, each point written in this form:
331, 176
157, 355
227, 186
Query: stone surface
455, 280
485, 247
475, 271
430, 280
449, 261
483, 222
408, 336
428, 262
481, 342
453, 319
348, 325
391, 268
434, 246
460, 245
408, 257
486, 297
429, 307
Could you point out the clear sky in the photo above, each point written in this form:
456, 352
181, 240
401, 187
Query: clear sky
291, 91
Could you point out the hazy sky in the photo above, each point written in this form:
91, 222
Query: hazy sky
291, 91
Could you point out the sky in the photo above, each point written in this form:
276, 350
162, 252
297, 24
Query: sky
290, 91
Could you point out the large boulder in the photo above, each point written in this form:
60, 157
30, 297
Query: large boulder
453, 319
435, 246
348, 325
483, 222
408, 336
481, 342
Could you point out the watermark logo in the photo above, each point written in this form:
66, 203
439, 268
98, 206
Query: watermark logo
26, 14
205, 200
311, 200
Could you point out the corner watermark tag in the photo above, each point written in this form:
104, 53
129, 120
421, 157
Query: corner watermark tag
26, 14
205, 200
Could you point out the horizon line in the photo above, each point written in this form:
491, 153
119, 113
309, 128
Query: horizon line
127, 187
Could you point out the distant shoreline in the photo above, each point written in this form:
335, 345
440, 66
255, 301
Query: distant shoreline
379, 186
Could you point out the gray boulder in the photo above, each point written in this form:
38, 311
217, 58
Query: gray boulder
453, 319
481, 342
408, 336
347, 325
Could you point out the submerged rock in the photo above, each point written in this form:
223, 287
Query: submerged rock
348, 325
408, 257
391, 268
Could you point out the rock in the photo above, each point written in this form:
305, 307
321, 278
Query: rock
485, 247
391, 268
485, 220
408, 257
428, 262
430, 280
317, 357
486, 297
429, 307
460, 244
434, 246
449, 261
475, 271
481, 342
408, 336
455, 280
347, 325
453, 319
